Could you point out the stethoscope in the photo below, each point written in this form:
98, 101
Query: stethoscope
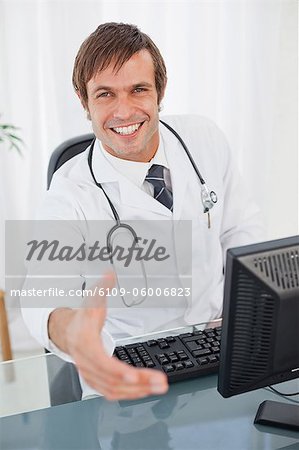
208, 199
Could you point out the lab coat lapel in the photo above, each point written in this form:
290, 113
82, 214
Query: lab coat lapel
134, 196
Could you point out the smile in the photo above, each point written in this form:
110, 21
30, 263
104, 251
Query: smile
127, 131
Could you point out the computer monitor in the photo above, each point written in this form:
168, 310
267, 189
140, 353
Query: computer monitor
260, 329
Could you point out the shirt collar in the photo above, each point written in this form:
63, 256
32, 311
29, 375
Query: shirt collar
133, 170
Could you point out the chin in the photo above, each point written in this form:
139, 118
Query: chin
126, 152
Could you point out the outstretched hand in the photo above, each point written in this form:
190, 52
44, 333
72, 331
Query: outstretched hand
107, 375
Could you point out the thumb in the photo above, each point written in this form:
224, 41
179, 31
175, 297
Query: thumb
97, 304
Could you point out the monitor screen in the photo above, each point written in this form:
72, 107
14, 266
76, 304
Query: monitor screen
260, 329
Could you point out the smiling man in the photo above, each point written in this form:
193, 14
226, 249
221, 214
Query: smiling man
144, 173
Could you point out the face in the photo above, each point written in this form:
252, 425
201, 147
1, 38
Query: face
123, 108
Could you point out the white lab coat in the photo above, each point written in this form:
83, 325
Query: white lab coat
235, 219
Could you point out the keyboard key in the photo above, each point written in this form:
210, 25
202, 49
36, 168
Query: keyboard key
139, 364
119, 351
173, 358
193, 345
163, 345
152, 343
203, 352
188, 364
202, 361
162, 359
212, 359
149, 364
215, 349
132, 351
160, 340
136, 360
131, 346
168, 368
182, 355
198, 333
185, 335
190, 339
170, 339
179, 366
209, 330
123, 357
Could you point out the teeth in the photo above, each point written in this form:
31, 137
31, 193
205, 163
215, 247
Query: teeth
127, 130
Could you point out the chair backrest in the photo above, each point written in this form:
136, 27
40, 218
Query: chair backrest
66, 151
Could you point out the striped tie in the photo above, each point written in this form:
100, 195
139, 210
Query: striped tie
161, 192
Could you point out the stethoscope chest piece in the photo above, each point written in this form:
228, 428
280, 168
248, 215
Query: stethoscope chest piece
208, 198
213, 196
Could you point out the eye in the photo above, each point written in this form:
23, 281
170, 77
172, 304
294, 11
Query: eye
139, 89
103, 95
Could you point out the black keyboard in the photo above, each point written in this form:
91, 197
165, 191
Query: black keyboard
188, 355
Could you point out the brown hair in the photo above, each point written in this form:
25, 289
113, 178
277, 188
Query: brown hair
114, 42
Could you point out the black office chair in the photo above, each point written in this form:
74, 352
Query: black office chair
63, 377
66, 151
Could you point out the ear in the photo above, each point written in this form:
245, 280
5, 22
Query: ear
84, 105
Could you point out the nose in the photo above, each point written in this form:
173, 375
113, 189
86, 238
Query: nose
124, 108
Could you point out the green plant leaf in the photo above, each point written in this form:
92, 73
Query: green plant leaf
13, 145
9, 137
15, 137
7, 126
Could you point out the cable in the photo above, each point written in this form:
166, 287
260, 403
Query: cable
281, 394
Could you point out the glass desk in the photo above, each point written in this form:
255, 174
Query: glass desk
192, 415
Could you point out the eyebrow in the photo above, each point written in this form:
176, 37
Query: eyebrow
110, 88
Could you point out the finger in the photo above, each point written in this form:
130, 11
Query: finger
116, 369
112, 372
110, 368
119, 391
123, 391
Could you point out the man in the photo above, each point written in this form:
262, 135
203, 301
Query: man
120, 78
